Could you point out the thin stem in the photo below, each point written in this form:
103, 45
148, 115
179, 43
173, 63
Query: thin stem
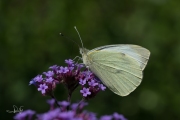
78, 107
70, 92
75, 87
69, 97
55, 100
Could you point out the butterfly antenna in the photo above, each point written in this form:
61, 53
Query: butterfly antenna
79, 36
69, 39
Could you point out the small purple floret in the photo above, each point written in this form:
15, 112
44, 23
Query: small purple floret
92, 83
63, 70
42, 88
85, 92
54, 67
70, 115
38, 78
49, 80
69, 62
106, 117
49, 73
118, 116
64, 103
82, 81
102, 87
50, 115
51, 102
32, 82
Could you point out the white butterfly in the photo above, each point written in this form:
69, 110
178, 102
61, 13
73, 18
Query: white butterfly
120, 67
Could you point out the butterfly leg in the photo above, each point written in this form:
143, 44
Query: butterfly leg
78, 58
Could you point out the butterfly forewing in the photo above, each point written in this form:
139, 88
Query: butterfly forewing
138, 53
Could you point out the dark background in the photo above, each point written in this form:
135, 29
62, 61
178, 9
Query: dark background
30, 43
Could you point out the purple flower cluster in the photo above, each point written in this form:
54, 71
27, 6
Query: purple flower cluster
27, 114
76, 112
72, 76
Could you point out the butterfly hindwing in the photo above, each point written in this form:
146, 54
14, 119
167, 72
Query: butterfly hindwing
118, 71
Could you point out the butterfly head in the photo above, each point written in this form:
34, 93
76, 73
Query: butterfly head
83, 51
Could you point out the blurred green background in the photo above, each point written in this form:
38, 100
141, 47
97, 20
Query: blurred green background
30, 43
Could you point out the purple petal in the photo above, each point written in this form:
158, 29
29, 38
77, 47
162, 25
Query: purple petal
118, 116
32, 82
49, 80
54, 67
66, 70
102, 87
69, 62
64, 103
51, 102
106, 117
38, 78
67, 115
92, 83
49, 73
51, 115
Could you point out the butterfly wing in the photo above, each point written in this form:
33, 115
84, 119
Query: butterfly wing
120, 69
136, 52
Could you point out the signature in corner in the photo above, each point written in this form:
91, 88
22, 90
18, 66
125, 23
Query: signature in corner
16, 109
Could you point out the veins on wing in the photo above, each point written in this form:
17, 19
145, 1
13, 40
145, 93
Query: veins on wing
108, 68
112, 69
